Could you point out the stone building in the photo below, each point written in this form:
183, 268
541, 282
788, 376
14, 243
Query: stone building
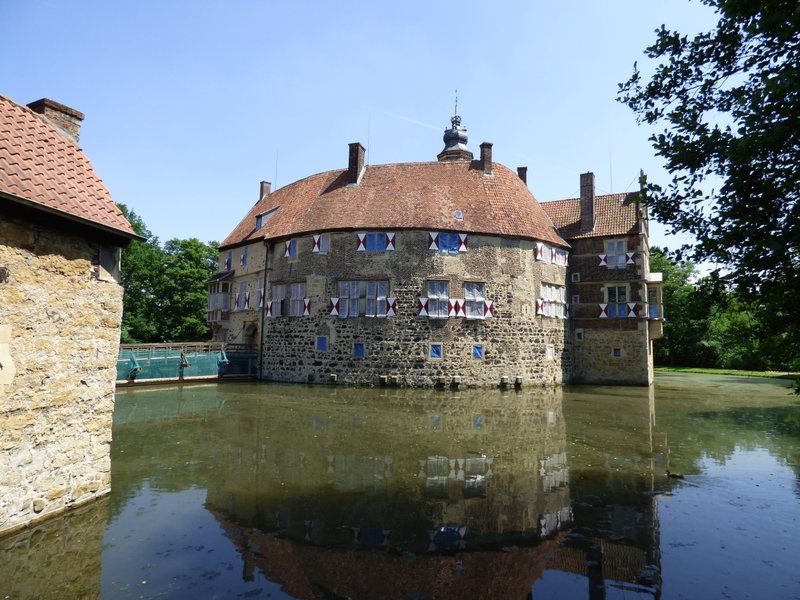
60, 311
442, 273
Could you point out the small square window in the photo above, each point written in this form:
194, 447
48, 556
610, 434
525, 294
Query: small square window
576, 298
575, 277
322, 343
436, 422
477, 352
616, 352
436, 351
579, 335
477, 422
358, 350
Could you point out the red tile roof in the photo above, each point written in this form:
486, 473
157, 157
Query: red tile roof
43, 169
403, 196
615, 214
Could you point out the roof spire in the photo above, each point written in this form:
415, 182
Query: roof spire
455, 139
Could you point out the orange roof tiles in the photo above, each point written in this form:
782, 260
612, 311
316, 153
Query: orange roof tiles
615, 214
43, 168
403, 196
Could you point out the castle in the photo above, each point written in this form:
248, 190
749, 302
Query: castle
445, 273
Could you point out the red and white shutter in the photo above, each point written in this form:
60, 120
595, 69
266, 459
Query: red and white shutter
287, 248
306, 307
539, 306
629, 258
361, 245
334, 307
391, 307
247, 300
422, 307
433, 240
269, 308
390, 241
462, 242
603, 311
603, 260
315, 246
633, 309
488, 309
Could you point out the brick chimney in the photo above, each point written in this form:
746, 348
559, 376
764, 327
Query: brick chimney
266, 188
587, 201
486, 158
522, 172
65, 119
355, 163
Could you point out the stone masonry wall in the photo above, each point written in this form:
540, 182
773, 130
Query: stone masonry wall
516, 342
61, 318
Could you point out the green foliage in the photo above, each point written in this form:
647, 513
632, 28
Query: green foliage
727, 102
165, 288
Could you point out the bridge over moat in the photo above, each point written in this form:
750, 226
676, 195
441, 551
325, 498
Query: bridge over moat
192, 361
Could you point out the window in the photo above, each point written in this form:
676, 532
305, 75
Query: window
579, 335
242, 300
363, 298
358, 350
652, 302
297, 293
291, 249
322, 343
278, 300
321, 243
228, 260
447, 242
576, 298
617, 301
243, 259
553, 302
473, 297
438, 299
376, 242
219, 300
616, 352
262, 219
436, 351
477, 352
616, 254
575, 277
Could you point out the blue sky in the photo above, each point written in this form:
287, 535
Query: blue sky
189, 105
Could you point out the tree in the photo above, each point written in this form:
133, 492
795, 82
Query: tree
165, 294
687, 309
142, 267
188, 265
728, 101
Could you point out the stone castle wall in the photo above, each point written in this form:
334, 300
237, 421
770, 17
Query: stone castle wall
60, 313
515, 341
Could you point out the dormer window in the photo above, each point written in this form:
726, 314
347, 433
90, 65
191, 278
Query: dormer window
262, 219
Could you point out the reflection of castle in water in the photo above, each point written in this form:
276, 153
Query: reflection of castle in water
417, 472
392, 493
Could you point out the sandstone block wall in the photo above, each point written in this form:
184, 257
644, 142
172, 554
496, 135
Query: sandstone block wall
516, 342
61, 312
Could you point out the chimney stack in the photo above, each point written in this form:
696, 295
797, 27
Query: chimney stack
486, 157
66, 120
355, 163
587, 201
523, 174
266, 189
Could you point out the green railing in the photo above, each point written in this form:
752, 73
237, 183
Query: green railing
183, 362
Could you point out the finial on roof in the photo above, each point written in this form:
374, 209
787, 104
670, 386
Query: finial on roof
455, 140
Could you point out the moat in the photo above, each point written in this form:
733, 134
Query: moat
246, 490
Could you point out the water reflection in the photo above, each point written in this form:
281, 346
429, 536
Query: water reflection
302, 492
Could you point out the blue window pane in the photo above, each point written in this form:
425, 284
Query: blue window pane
358, 350
376, 242
477, 352
477, 422
436, 422
436, 351
322, 344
